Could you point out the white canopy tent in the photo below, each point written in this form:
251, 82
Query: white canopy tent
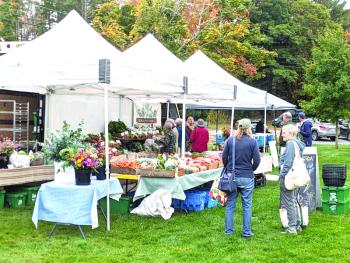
225, 86
49, 65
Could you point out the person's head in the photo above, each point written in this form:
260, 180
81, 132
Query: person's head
286, 117
168, 126
236, 124
301, 116
171, 121
200, 123
244, 128
289, 132
190, 120
178, 122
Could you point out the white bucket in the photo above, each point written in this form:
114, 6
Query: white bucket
66, 176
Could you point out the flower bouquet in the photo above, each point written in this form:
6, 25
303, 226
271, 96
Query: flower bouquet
84, 162
7, 147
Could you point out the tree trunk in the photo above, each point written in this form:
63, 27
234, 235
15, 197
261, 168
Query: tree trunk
336, 134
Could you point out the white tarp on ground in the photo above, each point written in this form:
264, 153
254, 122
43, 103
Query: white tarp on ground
217, 86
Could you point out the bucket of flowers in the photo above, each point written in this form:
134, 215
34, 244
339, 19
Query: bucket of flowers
84, 162
7, 147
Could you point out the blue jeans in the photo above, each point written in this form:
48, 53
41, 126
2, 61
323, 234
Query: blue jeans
245, 187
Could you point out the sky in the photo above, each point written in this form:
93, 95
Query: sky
348, 4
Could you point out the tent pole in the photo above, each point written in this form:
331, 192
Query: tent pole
233, 107
177, 110
47, 119
167, 110
265, 122
183, 133
232, 116
107, 153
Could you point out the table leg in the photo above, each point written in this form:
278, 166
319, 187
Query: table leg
103, 212
52, 230
81, 232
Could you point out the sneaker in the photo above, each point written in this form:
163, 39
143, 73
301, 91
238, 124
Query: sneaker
244, 236
289, 232
299, 229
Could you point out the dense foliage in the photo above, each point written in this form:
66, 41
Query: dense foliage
266, 43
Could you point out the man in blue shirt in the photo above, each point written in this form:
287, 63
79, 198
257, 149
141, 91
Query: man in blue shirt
305, 129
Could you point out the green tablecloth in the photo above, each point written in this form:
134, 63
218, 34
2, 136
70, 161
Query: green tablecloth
176, 185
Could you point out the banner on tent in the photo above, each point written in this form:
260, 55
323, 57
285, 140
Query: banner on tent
147, 113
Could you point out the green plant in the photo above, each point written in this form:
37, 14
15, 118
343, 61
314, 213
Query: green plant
62, 139
117, 127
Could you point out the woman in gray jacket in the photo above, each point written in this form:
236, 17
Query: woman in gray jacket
289, 213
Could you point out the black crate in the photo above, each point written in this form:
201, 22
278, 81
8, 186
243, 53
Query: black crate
259, 180
334, 174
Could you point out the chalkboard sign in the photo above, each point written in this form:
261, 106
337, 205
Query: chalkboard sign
313, 192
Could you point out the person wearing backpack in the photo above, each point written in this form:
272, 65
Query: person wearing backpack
289, 208
247, 159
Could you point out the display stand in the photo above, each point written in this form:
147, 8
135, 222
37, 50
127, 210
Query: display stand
313, 191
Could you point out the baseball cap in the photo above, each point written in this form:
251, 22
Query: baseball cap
244, 123
301, 115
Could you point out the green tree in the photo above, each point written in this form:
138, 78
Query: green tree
10, 13
114, 22
327, 78
291, 28
338, 12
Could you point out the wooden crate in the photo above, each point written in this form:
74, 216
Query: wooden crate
181, 172
123, 170
27, 175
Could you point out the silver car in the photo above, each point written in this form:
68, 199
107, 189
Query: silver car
322, 130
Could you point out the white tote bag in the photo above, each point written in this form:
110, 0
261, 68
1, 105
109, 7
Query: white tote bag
297, 175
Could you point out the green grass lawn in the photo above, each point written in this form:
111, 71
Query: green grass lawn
197, 237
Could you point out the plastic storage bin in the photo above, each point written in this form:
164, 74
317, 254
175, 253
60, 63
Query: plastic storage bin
120, 207
335, 194
32, 192
2, 198
16, 199
195, 200
176, 203
338, 208
334, 174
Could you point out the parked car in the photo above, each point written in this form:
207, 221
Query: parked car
322, 130
344, 129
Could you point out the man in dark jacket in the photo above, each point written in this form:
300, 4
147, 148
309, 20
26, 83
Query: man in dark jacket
305, 129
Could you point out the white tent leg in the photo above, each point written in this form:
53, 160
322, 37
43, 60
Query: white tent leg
47, 119
265, 123
167, 110
232, 118
183, 134
107, 153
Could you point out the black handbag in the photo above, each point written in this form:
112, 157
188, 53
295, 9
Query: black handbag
227, 182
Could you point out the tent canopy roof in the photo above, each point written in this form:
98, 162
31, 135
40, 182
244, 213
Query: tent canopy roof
219, 85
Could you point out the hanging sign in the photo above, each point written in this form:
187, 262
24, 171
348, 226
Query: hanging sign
147, 113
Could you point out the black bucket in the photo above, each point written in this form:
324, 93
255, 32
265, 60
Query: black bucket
101, 173
83, 177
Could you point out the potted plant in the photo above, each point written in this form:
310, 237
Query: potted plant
56, 142
7, 147
84, 161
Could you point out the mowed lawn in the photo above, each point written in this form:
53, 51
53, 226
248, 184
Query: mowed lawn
197, 237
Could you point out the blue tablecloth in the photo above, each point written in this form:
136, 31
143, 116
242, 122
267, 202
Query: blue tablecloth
70, 203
